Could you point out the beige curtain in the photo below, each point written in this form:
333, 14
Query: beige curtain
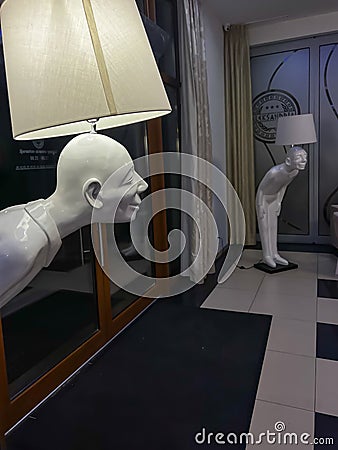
195, 130
238, 118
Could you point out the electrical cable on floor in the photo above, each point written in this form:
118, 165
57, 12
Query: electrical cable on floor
250, 267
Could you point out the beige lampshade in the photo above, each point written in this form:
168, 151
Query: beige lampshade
68, 61
298, 129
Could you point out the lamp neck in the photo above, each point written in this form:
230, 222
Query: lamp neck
296, 146
93, 124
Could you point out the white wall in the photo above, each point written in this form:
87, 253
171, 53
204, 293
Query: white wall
292, 29
213, 29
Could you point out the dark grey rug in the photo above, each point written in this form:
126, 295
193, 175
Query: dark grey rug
176, 370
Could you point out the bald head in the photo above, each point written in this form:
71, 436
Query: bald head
296, 158
89, 156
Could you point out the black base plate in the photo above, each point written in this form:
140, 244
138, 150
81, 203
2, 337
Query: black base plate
279, 268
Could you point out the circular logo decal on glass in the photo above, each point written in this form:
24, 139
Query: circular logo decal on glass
38, 143
267, 107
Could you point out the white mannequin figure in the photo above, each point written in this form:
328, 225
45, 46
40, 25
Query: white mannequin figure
31, 234
269, 198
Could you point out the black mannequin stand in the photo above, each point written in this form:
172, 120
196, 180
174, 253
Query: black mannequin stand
279, 268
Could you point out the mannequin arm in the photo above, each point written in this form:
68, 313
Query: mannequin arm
280, 197
260, 204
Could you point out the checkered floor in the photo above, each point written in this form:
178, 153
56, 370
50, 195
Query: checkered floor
299, 379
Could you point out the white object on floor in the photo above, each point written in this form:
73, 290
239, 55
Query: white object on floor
269, 198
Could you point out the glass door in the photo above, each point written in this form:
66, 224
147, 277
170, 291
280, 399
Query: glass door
299, 77
281, 85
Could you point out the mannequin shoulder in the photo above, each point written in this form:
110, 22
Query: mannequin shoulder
19, 233
11, 213
12, 220
275, 170
9, 219
274, 173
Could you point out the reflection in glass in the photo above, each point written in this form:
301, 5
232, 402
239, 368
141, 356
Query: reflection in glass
120, 298
52, 316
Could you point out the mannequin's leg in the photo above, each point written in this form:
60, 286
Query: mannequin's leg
264, 231
274, 251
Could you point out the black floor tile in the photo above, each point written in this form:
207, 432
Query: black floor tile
328, 288
326, 427
327, 341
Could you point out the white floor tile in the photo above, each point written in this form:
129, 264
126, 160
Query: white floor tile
300, 274
289, 286
327, 311
327, 265
229, 299
292, 336
244, 280
267, 415
326, 387
285, 306
302, 258
288, 380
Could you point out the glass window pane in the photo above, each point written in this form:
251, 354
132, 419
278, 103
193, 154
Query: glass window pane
57, 310
140, 5
166, 19
171, 143
170, 122
327, 134
50, 318
133, 137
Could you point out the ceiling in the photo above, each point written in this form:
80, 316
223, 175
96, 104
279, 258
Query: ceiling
250, 11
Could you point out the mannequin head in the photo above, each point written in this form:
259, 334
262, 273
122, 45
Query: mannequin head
118, 199
84, 166
296, 158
